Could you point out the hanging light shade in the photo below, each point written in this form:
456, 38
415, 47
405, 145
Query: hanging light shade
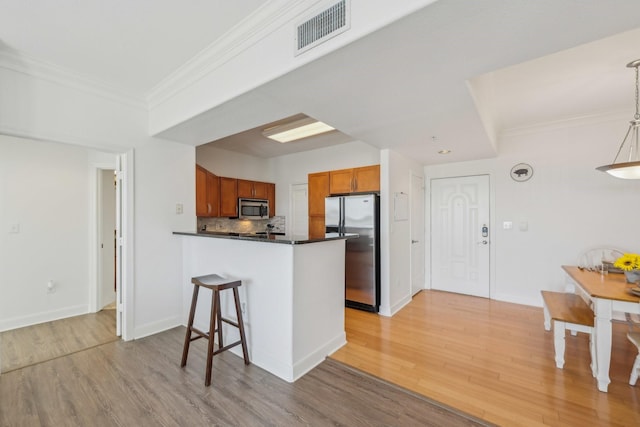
629, 169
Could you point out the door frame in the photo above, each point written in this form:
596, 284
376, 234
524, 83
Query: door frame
492, 225
122, 164
423, 237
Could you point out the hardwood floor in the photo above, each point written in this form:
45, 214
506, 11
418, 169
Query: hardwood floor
493, 360
45, 341
490, 359
141, 383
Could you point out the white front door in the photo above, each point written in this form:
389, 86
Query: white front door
460, 235
417, 234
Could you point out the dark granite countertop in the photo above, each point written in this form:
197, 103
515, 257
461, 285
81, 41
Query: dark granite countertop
272, 238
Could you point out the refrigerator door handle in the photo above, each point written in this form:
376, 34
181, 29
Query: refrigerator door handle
341, 228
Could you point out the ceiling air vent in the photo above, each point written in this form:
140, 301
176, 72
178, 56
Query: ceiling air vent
320, 28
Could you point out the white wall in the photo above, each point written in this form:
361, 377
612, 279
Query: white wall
164, 177
395, 254
568, 205
47, 105
229, 70
43, 191
233, 165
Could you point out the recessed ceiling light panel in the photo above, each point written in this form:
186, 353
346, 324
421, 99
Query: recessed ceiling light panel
295, 130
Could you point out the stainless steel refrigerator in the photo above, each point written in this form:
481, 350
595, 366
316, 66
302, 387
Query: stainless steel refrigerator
358, 214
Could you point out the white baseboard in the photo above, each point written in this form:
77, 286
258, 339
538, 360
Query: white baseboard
289, 372
391, 310
156, 327
317, 357
46, 316
515, 299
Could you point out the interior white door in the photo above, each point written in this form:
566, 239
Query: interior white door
299, 210
460, 235
417, 234
119, 250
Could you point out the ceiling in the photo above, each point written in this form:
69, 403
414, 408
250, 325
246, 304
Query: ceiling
454, 74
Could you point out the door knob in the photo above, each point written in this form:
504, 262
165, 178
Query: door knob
415, 241
483, 242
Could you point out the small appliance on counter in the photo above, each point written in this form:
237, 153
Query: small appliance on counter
358, 214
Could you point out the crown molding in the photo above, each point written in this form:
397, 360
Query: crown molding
91, 142
24, 64
265, 20
566, 122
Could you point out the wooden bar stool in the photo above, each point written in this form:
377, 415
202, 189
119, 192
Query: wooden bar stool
216, 284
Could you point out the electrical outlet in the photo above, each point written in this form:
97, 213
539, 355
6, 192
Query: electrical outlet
243, 307
51, 287
179, 208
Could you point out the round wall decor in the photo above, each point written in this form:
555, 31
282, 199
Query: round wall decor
521, 172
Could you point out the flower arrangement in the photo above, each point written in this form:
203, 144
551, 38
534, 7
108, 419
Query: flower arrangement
628, 262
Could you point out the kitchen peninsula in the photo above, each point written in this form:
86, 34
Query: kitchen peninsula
292, 294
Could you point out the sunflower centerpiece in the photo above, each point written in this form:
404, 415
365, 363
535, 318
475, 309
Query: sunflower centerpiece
630, 264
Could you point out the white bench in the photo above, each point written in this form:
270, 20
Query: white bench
568, 312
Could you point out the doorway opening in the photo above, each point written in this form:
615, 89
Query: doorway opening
111, 239
106, 212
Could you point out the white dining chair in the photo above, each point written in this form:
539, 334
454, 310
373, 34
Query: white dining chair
634, 337
633, 321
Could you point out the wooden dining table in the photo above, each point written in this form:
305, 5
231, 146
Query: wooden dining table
609, 293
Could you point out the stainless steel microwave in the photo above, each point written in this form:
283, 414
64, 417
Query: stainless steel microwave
253, 208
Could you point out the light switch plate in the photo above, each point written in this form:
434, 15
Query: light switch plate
179, 208
15, 228
507, 225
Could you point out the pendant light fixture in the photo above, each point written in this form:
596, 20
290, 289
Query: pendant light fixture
631, 168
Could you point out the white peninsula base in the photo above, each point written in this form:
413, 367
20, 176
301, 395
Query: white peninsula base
292, 297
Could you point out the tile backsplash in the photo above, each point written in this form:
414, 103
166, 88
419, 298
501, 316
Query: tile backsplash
242, 225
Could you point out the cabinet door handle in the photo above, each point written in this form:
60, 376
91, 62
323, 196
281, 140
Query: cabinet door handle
208, 207
355, 183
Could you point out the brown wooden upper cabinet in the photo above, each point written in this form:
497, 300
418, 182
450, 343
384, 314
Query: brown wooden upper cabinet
318, 189
343, 181
252, 189
355, 180
228, 197
271, 197
218, 196
207, 193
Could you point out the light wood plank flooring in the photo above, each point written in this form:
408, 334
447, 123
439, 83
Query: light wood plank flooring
141, 383
45, 341
493, 360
